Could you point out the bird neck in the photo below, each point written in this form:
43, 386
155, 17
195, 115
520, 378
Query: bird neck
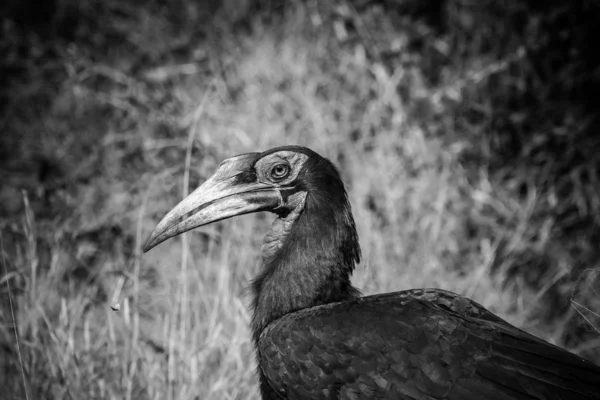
308, 257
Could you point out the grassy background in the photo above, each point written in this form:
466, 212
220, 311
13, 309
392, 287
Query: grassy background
465, 135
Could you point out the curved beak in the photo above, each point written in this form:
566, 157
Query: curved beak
232, 190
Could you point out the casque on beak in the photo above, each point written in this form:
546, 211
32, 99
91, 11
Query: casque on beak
232, 190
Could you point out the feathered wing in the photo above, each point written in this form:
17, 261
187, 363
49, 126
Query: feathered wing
419, 344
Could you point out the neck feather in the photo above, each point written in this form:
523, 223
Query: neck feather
308, 257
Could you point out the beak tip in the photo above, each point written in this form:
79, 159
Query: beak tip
150, 243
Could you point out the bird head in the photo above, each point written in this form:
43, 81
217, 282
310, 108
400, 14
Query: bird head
278, 180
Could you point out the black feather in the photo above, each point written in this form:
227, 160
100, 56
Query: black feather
317, 339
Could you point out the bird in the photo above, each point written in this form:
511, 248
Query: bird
316, 337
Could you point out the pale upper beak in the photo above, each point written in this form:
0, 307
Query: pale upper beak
224, 195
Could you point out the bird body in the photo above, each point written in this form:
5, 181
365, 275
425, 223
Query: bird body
416, 344
316, 338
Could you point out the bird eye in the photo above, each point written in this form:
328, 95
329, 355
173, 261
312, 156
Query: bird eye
280, 171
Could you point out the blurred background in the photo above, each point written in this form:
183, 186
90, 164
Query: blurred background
466, 133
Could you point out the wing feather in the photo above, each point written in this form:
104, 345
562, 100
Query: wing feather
416, 345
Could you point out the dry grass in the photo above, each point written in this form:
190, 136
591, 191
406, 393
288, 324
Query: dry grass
129, 147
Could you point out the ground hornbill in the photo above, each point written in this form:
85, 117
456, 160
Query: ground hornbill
316, 338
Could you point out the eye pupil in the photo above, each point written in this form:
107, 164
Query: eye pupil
280, 171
